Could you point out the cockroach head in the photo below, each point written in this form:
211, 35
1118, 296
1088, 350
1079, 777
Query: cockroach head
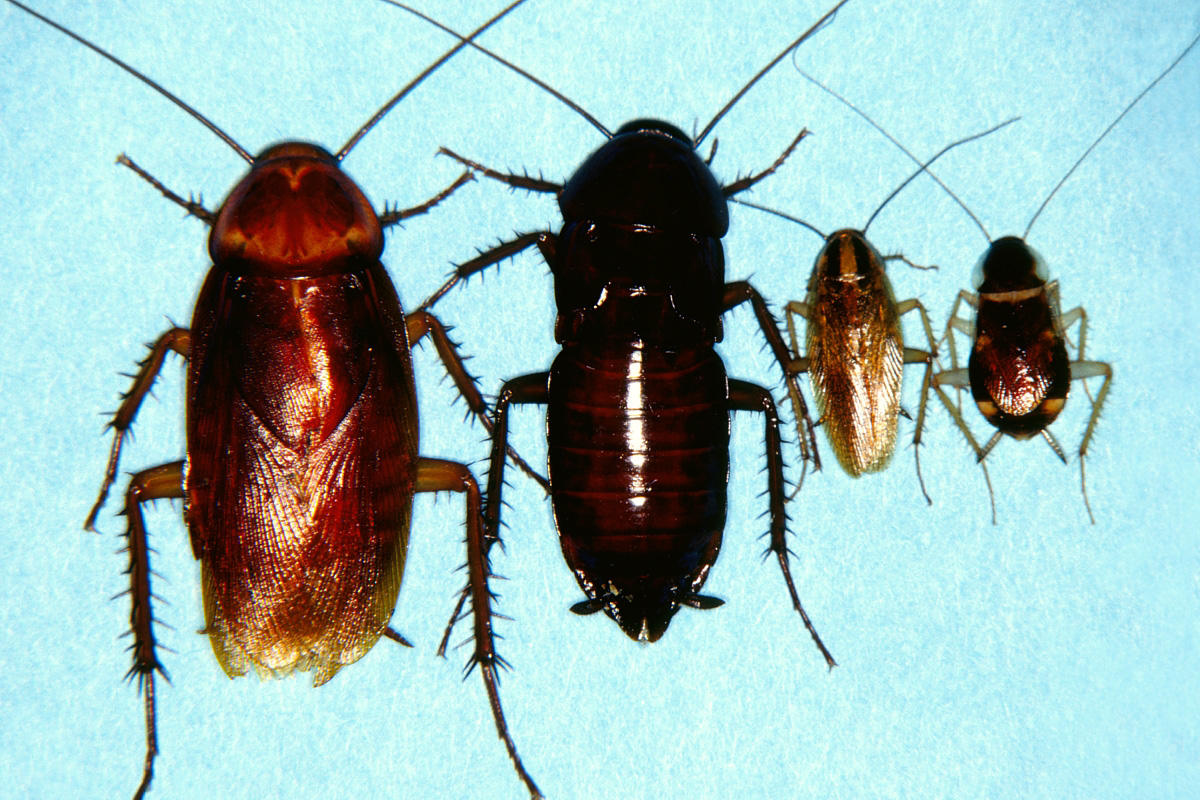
1009, 265
295, 214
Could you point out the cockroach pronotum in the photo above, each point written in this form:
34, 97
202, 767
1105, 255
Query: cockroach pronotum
302, 455
638, 400
1019, 371
854, 345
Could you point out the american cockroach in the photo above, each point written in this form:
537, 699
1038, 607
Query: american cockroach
1019, 370
638, 400
854, 350
302, 456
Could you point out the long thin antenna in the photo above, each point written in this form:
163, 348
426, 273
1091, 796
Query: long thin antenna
816, 27
902, 148
781, 215
382, 112
926, 165
571, 104
203, 120
1099, 138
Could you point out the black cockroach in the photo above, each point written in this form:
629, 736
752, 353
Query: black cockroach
638, 400
854, 350
302, 455
1019, 371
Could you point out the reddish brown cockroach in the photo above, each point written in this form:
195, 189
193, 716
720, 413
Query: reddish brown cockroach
638, 400
302, 455
1019, 371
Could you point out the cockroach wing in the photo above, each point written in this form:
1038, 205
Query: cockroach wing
856, 359
302, 453
1019, 359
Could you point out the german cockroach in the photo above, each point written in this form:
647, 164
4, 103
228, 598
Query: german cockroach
638, 400
1019, 371
854, 345
302, 455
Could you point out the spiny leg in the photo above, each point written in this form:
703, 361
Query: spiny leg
1081, 370
516, 181
745, 396
926, 357
193, 207
742, 184
532, 388
435, 475
798, 364
176, 339
422, 323
163, 481
544, 240
960, 380
955, 322
390, 217
739, 292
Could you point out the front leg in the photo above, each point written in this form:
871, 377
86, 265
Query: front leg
390, 217
745, 396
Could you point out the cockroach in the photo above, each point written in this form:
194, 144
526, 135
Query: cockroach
1019, 371
302, 455
854, 349
638, 399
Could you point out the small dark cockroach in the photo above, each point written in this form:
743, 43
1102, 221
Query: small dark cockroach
302, 432
638, 400
1019, 371
854, 348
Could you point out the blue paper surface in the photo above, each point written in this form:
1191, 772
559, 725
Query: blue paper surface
1039, 657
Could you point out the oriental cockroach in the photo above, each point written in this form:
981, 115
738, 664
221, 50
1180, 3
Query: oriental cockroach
638, 400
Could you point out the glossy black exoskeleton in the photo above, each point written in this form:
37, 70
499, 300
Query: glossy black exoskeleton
638, 400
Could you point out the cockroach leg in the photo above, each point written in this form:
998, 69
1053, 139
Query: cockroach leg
926, 357
742, 184
744, 396
739, 292
959, 379
163, 481
194, 208
905, 260
394, 635
523, 390
964, 326
422, 323
390, 217
544, 241
435, 475
180, 341
516, 181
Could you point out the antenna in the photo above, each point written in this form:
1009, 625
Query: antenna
203, 120
571, 104
382, 112
1112, 125
818, 25
902, 148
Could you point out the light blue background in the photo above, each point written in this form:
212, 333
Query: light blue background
1041, 657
